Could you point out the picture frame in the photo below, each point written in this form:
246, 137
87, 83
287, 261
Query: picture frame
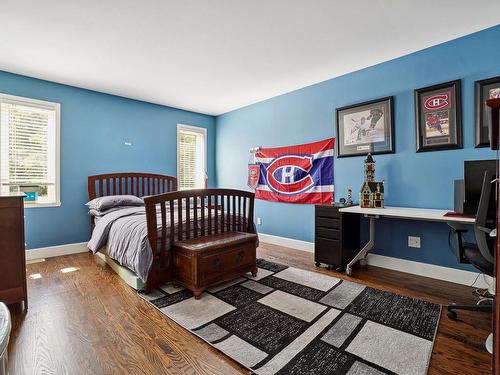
366, 127
438, 117
484, 89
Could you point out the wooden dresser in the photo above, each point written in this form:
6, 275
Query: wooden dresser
336, 236
12, 255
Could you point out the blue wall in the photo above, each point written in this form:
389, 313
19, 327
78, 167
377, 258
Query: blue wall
412, 180
94, 127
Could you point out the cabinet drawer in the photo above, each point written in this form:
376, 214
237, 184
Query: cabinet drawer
327, 243
328, 251
333, 234
328, 211
219, 264
326, 222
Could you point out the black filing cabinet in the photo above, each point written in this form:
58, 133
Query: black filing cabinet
336, 236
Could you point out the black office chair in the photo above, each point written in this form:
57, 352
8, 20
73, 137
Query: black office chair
480, 254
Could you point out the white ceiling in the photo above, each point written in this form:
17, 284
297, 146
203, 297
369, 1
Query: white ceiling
213, 56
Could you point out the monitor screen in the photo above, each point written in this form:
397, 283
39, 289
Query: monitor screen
473, 176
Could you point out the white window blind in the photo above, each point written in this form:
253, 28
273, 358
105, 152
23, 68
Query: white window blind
191, 157
29, 149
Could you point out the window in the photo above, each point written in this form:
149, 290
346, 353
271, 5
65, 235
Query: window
191, 157
29, 149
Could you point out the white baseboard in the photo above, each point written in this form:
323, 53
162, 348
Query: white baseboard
416, 268
287, 242
55, 251
429, 270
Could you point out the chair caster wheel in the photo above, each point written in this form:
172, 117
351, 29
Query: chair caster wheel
452, 315
348, 272
318, 264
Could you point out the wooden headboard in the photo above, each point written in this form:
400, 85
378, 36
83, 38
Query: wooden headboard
138, 184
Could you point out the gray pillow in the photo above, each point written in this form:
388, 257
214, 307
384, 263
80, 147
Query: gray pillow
110, 201
97, 213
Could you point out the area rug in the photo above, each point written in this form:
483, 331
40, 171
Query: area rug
291, 321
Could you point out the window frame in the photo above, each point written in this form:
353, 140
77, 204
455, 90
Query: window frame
57, 108
194, 129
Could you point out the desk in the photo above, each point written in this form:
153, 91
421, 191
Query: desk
407, 213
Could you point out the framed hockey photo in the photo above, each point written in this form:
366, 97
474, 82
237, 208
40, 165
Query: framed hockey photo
366, 128
485, 89
438, 117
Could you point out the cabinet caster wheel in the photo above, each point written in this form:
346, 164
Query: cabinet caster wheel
318, 264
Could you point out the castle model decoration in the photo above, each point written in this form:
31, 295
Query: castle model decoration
372, 192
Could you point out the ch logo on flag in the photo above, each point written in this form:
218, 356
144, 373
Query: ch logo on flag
289, 174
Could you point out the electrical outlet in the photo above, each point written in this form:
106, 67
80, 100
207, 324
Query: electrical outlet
414, 242
259, 221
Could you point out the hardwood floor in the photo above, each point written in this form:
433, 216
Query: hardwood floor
90, 322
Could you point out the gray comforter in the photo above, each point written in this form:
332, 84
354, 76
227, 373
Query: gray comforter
125, 234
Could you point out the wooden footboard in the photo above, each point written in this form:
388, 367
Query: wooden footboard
183, 215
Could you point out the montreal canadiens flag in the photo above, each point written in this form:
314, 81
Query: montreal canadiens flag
296, 174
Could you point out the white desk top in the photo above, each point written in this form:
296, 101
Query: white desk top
427, 214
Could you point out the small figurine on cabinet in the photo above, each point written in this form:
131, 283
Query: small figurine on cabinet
346, 202
349, 198
372, 192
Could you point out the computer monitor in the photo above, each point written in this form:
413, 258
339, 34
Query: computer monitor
473, 181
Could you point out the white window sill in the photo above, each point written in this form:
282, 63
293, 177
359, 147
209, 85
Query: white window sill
41, 205
192, 188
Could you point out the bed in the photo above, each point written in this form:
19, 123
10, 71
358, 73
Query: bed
137, 242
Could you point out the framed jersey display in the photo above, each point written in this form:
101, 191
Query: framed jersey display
438, 117
485, 89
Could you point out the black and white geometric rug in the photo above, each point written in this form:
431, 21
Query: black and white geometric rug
292, 321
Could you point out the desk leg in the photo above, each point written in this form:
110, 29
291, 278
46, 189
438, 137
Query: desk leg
365, 250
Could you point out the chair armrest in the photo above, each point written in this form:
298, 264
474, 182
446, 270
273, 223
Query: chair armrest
484, 229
